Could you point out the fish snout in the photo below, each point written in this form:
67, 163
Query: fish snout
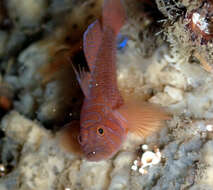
90, 155
95, 156
93, 153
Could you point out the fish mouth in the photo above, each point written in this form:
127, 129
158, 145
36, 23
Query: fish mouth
98, 155
95, 154
94, 157
91, 155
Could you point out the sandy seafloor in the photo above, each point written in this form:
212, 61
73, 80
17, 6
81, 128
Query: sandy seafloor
163, 62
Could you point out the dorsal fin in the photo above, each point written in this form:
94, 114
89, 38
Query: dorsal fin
84, 79
92, 42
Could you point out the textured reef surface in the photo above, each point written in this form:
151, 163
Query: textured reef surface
164, 56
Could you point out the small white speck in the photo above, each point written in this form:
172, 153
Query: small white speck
94, 152
2, 168
158, 154
150, 158
142, 171
134, 167
156, 160
147, 157
121, 76
135, 162
203, 134
96, 84
189, 81
169, 58
144, 147
200, 22
67, 188
209, 128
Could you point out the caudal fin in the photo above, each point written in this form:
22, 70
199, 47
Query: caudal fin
143, 118
113, 14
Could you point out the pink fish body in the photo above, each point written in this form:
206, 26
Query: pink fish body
99, 120
105, 118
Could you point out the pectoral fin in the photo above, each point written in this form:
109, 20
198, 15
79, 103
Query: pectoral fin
68, 138
143, 118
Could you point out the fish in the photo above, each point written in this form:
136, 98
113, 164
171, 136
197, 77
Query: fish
106, 118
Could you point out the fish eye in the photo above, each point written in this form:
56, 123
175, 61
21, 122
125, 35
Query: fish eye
100, 131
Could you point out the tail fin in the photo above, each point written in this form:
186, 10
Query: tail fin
113, 14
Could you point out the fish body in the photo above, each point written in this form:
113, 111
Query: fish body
105, 117
99, 118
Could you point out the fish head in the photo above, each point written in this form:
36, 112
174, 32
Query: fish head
102, 137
